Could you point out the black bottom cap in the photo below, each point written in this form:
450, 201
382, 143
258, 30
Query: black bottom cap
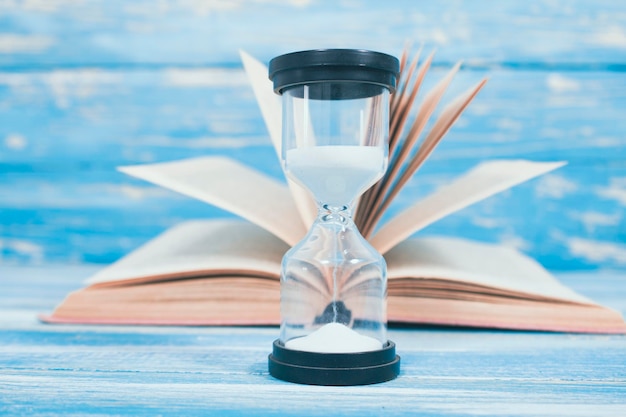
314, 368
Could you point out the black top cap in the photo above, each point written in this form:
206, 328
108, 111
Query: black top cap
334, 65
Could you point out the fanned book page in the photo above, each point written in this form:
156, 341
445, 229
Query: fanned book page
199, 248
226, 272
483, 181
270, 105
459, 261
231, 186
267, 203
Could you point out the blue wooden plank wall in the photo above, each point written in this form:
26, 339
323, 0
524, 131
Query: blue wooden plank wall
89, 85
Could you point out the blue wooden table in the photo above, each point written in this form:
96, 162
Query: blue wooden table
48, 370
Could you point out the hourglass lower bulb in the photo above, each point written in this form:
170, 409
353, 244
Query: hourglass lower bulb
333, 283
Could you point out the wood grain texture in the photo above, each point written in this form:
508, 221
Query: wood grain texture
121, 370
87, 86
195, 32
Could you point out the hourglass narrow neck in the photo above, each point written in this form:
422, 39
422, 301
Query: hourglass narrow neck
334, 214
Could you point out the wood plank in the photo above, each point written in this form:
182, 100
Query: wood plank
113, 33
141, 116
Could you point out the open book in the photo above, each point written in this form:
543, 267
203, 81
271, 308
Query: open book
227, 272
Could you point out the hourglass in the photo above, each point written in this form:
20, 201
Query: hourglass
333, 283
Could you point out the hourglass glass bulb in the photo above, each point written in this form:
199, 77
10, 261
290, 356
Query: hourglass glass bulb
333, 282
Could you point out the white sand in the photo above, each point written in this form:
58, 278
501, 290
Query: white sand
334, 338
336, 174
